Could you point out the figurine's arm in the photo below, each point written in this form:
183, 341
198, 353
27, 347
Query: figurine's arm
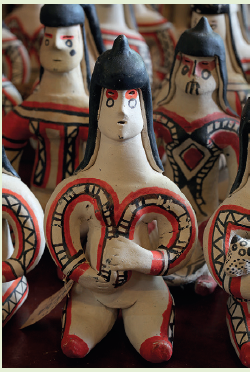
15, 130
69, 211
177, 230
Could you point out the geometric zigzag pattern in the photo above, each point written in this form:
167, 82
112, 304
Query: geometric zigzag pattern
9, 306
238, 321
13, 53
219, 233
28, 231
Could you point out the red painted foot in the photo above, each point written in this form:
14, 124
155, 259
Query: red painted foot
156, 350
205, 285
245, 354
74, 347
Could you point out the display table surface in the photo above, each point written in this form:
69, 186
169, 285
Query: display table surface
201, 336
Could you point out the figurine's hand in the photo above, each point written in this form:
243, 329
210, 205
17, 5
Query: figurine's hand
124, 254
91, 280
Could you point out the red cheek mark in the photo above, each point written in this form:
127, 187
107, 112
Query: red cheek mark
112, 94
48, 35
63, 37
132, 93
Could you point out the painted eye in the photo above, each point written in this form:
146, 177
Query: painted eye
68, 37
131, 94
112, 94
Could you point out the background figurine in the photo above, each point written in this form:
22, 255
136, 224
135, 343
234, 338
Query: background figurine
24, 22
195, 125
116, 19
161, 39
218, 16
10, 96
22, 211
56, 115
15, 59
242, 44
115, 193
227, 247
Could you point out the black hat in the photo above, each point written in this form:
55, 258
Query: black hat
119, 68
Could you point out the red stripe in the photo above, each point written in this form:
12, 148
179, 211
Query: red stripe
238, 104
195, 124
152, 24
128, 36
158, 263
53, 106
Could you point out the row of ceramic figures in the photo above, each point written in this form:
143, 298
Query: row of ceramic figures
155, 41
115, 260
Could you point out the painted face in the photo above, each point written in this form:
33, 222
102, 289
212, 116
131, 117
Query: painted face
196, 75
120, 116
62, 48
217, 22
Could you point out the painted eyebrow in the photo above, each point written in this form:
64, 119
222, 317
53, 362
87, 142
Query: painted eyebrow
66, 37
48, 35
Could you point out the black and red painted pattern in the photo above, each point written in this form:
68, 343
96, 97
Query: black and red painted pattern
29, 238
31, 42
118, 219
13, 298
227, 219
37, 120
205, 139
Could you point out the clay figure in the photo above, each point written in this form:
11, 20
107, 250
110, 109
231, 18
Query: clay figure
161, 39
15, 59
22, 212
116, 19
227, 247
241, 43
57, 114
194, 126
24, 22
10, 96
115, 193
218, 16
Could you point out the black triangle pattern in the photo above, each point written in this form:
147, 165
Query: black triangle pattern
69, 151
27, 227
9, 305
238, 321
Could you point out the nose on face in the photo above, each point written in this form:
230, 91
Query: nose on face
195, 70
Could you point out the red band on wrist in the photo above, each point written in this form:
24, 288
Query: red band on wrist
157, 263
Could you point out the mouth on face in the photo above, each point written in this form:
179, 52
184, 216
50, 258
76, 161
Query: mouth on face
122, 122
57, 60
192, 87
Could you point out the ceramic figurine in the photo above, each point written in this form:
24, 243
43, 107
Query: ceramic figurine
22, 212
24, 22
218, 16
115, 19
179, 15
161, 39
57, 114
93, 34
115, 193
10, 96
15, 58
242, 45
227, 247
196, 125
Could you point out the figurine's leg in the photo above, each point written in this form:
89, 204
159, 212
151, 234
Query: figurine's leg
149, 324
238, 322
204, 284
85, 322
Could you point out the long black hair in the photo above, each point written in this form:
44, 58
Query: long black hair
119, 68
244, 143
